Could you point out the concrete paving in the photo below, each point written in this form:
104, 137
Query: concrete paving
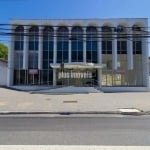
23, 101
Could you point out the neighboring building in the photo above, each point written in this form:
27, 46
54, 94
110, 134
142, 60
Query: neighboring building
109, 53
149, 65
3, 72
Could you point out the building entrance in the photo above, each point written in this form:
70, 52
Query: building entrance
76, 77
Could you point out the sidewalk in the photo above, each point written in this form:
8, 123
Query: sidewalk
12, 101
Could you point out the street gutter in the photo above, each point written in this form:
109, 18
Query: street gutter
73, 113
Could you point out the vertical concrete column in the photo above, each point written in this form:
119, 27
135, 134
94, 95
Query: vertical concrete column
99, 56
40, 51
25, 49
54, 77
84, 44
69, 44
55, 46
145, 63
114, 51
130, 50
11, 53
99, 47
55, 55
99, 75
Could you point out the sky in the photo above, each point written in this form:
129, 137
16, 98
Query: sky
73, 9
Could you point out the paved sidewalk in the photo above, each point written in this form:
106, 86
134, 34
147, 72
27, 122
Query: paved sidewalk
25, 102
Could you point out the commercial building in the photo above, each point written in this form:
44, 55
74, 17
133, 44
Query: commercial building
107, 53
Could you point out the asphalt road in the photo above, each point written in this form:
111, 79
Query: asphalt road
126, 131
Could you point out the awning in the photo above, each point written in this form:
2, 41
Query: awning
77, 66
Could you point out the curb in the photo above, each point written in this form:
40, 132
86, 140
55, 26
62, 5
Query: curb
73, 113
71, 147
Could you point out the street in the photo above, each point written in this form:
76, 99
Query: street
126, 131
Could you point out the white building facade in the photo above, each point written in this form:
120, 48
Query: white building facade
107, 53
3, 72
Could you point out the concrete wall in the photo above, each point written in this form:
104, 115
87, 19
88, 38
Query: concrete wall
3, 73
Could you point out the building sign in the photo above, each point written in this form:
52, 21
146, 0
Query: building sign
120, 71
71, 74
33, 71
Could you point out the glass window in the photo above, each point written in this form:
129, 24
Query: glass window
33, 60
137, 47
106, 40
33, 38
48, 36
74, 45
65, 45
124, 45
94, 45
45, 64
51, 56
62, 44
104, 45
18, 60
80, 56
65, 56
80, 46
77, 44
88, 45
59, 45
36, 45
45, 55
91, 44
88, 56
45, 45
59, 56
94, 56
19, 37
48, 33
121, 47
51, 45
31, 45
18, 45
109, 45
74, 56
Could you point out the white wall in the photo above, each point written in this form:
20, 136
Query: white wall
3, 72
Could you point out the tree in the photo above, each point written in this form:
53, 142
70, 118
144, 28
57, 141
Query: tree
3, 51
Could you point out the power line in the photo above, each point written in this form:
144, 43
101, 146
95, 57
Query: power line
75, 36
120, 27
79, 35
6, 24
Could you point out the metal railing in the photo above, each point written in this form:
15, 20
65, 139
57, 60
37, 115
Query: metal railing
82, 83
69, 82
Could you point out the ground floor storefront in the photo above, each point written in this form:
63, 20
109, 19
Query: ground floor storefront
79, 77
57, 77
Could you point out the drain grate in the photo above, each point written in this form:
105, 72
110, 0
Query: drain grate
70, 101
